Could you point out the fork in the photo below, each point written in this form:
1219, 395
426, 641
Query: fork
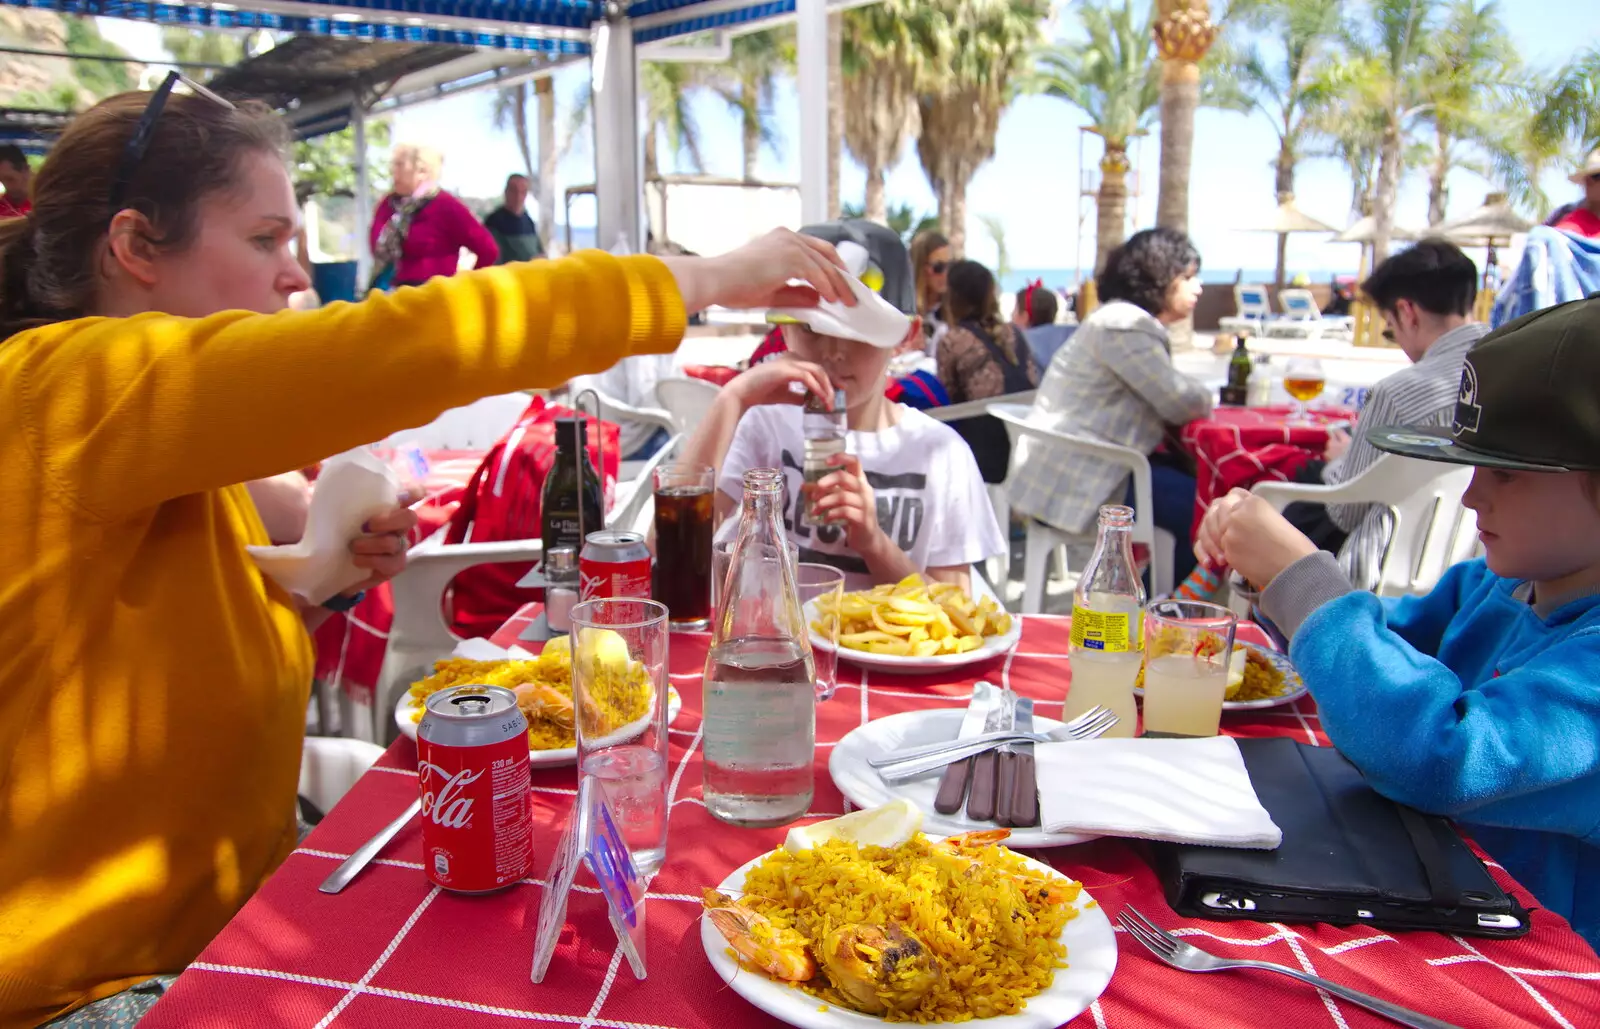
1088, 722
907, 769
1189, 958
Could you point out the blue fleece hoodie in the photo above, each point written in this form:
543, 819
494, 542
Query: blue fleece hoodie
1466, 703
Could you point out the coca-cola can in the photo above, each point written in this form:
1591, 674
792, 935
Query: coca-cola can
477, 807
614, 564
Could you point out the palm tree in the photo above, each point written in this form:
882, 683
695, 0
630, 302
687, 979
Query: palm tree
977, 54
1386, 70
1570, 109
510, 111
880, 68
666, 87
1110, 78
1183, 34
746, 83
1287, 89
202, 46
1472, 63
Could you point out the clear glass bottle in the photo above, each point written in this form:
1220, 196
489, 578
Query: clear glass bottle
1108, 626
824, 431
760, 680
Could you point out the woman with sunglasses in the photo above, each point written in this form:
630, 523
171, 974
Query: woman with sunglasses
154, 684
930, 264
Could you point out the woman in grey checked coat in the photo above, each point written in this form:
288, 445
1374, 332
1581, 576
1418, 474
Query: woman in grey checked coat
1114, 381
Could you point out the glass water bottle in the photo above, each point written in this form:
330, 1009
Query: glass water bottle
1108, 626
760, 683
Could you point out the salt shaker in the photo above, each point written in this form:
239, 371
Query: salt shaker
561, 589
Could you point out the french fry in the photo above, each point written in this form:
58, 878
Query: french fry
912, 617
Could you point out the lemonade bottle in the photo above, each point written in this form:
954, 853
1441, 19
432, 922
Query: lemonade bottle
1108, 626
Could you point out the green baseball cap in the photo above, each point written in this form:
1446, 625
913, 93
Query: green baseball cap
1529, 401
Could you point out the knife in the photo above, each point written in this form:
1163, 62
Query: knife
953, 784
1016, 761
982, 797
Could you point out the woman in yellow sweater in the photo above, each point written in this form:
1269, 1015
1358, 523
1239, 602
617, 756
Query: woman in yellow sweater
153, 684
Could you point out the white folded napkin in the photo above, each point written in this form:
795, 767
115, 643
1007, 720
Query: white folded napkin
477, 649
352, 488
1181, 791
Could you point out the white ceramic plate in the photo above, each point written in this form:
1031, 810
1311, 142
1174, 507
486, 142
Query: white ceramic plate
993, 646
406, 718
861, 783
1091, 959
1296, 686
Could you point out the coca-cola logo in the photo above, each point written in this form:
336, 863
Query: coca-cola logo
448, 807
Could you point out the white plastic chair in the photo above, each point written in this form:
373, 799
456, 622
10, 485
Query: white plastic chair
687, 400
1432, 529
1254, 311
612, 410
330, 765
974, 408
1043, 540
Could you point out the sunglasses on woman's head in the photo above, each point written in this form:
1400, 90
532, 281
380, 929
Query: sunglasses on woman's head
139, 142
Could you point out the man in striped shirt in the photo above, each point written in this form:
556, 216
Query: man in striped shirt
1425, 296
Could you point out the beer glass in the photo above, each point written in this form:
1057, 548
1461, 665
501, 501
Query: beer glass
1304, 381
684, 498
619, 707
1187, 647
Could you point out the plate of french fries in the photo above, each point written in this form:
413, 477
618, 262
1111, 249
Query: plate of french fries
914, 625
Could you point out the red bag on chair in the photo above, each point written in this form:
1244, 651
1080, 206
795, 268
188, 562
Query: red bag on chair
501, 502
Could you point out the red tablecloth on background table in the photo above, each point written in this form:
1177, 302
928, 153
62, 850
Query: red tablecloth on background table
1241, 446
393, 951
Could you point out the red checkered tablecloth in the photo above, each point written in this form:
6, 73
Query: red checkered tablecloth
1241, 446
391, 950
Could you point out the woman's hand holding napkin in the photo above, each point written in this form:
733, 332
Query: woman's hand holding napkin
355, 532
1181, 791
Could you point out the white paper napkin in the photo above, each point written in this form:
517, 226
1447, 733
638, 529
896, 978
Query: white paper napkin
1181, 791
872, 320
352, 488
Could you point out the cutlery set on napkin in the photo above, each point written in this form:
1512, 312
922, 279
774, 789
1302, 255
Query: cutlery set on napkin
1067, 781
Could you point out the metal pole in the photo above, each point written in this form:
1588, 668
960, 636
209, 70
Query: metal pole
813, 89
358, 124
619, 186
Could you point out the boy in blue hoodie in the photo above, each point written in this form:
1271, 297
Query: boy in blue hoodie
1480, 700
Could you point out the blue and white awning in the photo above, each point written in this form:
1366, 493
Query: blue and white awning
540, 26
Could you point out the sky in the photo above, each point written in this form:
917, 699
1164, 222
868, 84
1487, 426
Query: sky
1031, 183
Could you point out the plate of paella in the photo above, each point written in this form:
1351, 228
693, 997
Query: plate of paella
837, 932
543, 685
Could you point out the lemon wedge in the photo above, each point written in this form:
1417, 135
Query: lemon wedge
602, 649
887, 826
1236, 663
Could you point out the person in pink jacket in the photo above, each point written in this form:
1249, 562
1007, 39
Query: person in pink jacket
418, 230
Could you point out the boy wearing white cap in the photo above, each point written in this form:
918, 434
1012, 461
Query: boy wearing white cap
906, 496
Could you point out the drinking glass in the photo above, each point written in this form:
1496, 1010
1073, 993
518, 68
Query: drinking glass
1187, 647
1304, 381
683, 500
721, 553
619, 705
812, 582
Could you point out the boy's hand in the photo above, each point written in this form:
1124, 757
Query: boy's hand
844, 498
1243, 531
772, 382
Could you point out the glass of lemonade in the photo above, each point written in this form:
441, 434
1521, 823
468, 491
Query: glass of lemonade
1187, 645
1304, 381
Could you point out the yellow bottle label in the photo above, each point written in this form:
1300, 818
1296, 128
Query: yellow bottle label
1112, 633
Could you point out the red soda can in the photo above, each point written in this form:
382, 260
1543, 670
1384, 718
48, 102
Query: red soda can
614, 564
477, 806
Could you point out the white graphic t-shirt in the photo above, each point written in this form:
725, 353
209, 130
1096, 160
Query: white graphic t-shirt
931, 499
